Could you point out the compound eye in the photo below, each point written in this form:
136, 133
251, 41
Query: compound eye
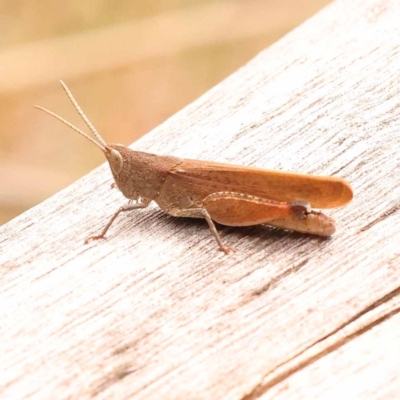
116, 161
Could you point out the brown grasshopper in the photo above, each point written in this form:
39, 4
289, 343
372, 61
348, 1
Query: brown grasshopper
228, 194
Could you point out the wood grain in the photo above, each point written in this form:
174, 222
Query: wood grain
155, 311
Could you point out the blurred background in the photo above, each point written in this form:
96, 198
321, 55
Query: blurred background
130, 63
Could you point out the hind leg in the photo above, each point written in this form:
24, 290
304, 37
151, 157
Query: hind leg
238, 209
201, 213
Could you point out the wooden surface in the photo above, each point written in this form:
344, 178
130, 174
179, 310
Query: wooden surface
155, 311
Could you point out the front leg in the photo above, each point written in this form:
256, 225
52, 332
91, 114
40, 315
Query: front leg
141, 203
201, 213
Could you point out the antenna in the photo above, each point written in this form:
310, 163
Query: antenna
101, 142
102, 147
81, 113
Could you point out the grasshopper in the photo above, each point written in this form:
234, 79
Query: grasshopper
228, 194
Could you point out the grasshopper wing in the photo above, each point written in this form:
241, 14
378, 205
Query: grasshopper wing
205, 177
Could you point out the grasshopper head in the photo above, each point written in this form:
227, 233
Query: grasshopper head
114, 158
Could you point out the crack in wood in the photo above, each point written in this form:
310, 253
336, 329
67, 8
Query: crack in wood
382, 217
117, 375
342, 168
262, 388
273, 282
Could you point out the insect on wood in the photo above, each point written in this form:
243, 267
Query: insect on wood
227, 194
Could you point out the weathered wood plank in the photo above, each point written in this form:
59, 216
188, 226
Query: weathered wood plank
155, 311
